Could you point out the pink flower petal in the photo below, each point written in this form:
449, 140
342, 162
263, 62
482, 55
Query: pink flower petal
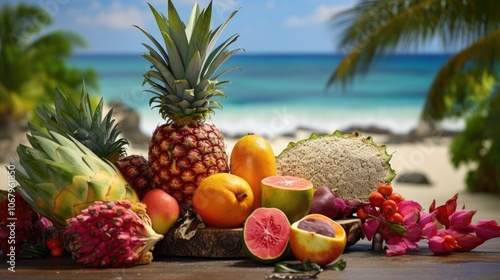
461, 219
466, 241
429, 230
411, 218
426, 218
407, 207
444, 211
451, 204
391, 239
413, 232
395, 249
370, 227
487, 229
436, 244
411, 245
432, 207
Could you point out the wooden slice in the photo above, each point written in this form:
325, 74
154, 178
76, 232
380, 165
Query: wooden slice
227, 243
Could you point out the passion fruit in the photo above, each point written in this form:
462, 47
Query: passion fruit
318, 239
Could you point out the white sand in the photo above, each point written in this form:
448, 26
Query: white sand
430, 157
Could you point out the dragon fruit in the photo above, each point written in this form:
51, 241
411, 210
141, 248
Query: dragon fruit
112, 234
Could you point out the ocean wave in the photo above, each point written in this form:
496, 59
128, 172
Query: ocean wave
274, 122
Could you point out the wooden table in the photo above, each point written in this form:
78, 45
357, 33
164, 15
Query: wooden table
362, 263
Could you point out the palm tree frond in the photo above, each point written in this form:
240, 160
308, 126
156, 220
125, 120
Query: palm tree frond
483, 55
376, 27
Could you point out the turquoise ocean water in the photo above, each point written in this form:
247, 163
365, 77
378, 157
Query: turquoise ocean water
276, 94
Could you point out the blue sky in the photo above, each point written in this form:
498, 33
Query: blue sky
265, 26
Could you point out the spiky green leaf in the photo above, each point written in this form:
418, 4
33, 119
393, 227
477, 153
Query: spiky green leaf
189, 55
193, 18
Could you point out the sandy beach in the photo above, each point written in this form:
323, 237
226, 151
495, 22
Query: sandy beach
429, 157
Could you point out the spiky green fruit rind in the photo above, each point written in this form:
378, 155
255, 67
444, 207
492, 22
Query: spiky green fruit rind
58, 176
349, 163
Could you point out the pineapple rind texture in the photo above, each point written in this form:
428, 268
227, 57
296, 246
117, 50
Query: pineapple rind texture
349, 163
135, 169
181, 156
58, 175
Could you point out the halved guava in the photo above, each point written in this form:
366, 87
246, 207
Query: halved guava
266, 235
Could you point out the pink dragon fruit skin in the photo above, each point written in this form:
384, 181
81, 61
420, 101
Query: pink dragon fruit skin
112, 234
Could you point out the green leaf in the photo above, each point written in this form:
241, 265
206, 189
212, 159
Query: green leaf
296, 267
214, 56
165, 71
219, 60
193, 18
177, 32
216, 34
156, 43
176, 64
338, 265
201, 33
193, 70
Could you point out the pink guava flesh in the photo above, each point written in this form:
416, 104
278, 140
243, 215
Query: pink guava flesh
266, 233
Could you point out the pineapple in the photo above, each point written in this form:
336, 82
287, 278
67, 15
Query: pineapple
186, 149
98, 134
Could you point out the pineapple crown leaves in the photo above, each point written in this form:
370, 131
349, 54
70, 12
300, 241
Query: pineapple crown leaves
57, 172
183, 75
99, 134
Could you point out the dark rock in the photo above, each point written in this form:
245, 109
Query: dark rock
403, 138
413, 178
367, 130
129, 124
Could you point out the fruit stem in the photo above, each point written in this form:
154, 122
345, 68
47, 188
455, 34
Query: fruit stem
241, 196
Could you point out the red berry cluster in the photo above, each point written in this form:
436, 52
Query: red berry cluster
55, 247
383, 201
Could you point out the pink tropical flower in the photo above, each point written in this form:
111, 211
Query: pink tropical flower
466, 240
445, 228
444, 211
436, 244
443, 244
398, 243
459, 225
461, 219
487, 229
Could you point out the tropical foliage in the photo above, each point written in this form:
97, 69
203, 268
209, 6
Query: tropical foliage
465, 87
33, 63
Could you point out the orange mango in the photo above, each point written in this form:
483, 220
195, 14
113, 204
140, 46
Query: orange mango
253, 159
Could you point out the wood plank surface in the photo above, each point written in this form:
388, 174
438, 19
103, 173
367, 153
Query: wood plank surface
227, 243
362, 263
